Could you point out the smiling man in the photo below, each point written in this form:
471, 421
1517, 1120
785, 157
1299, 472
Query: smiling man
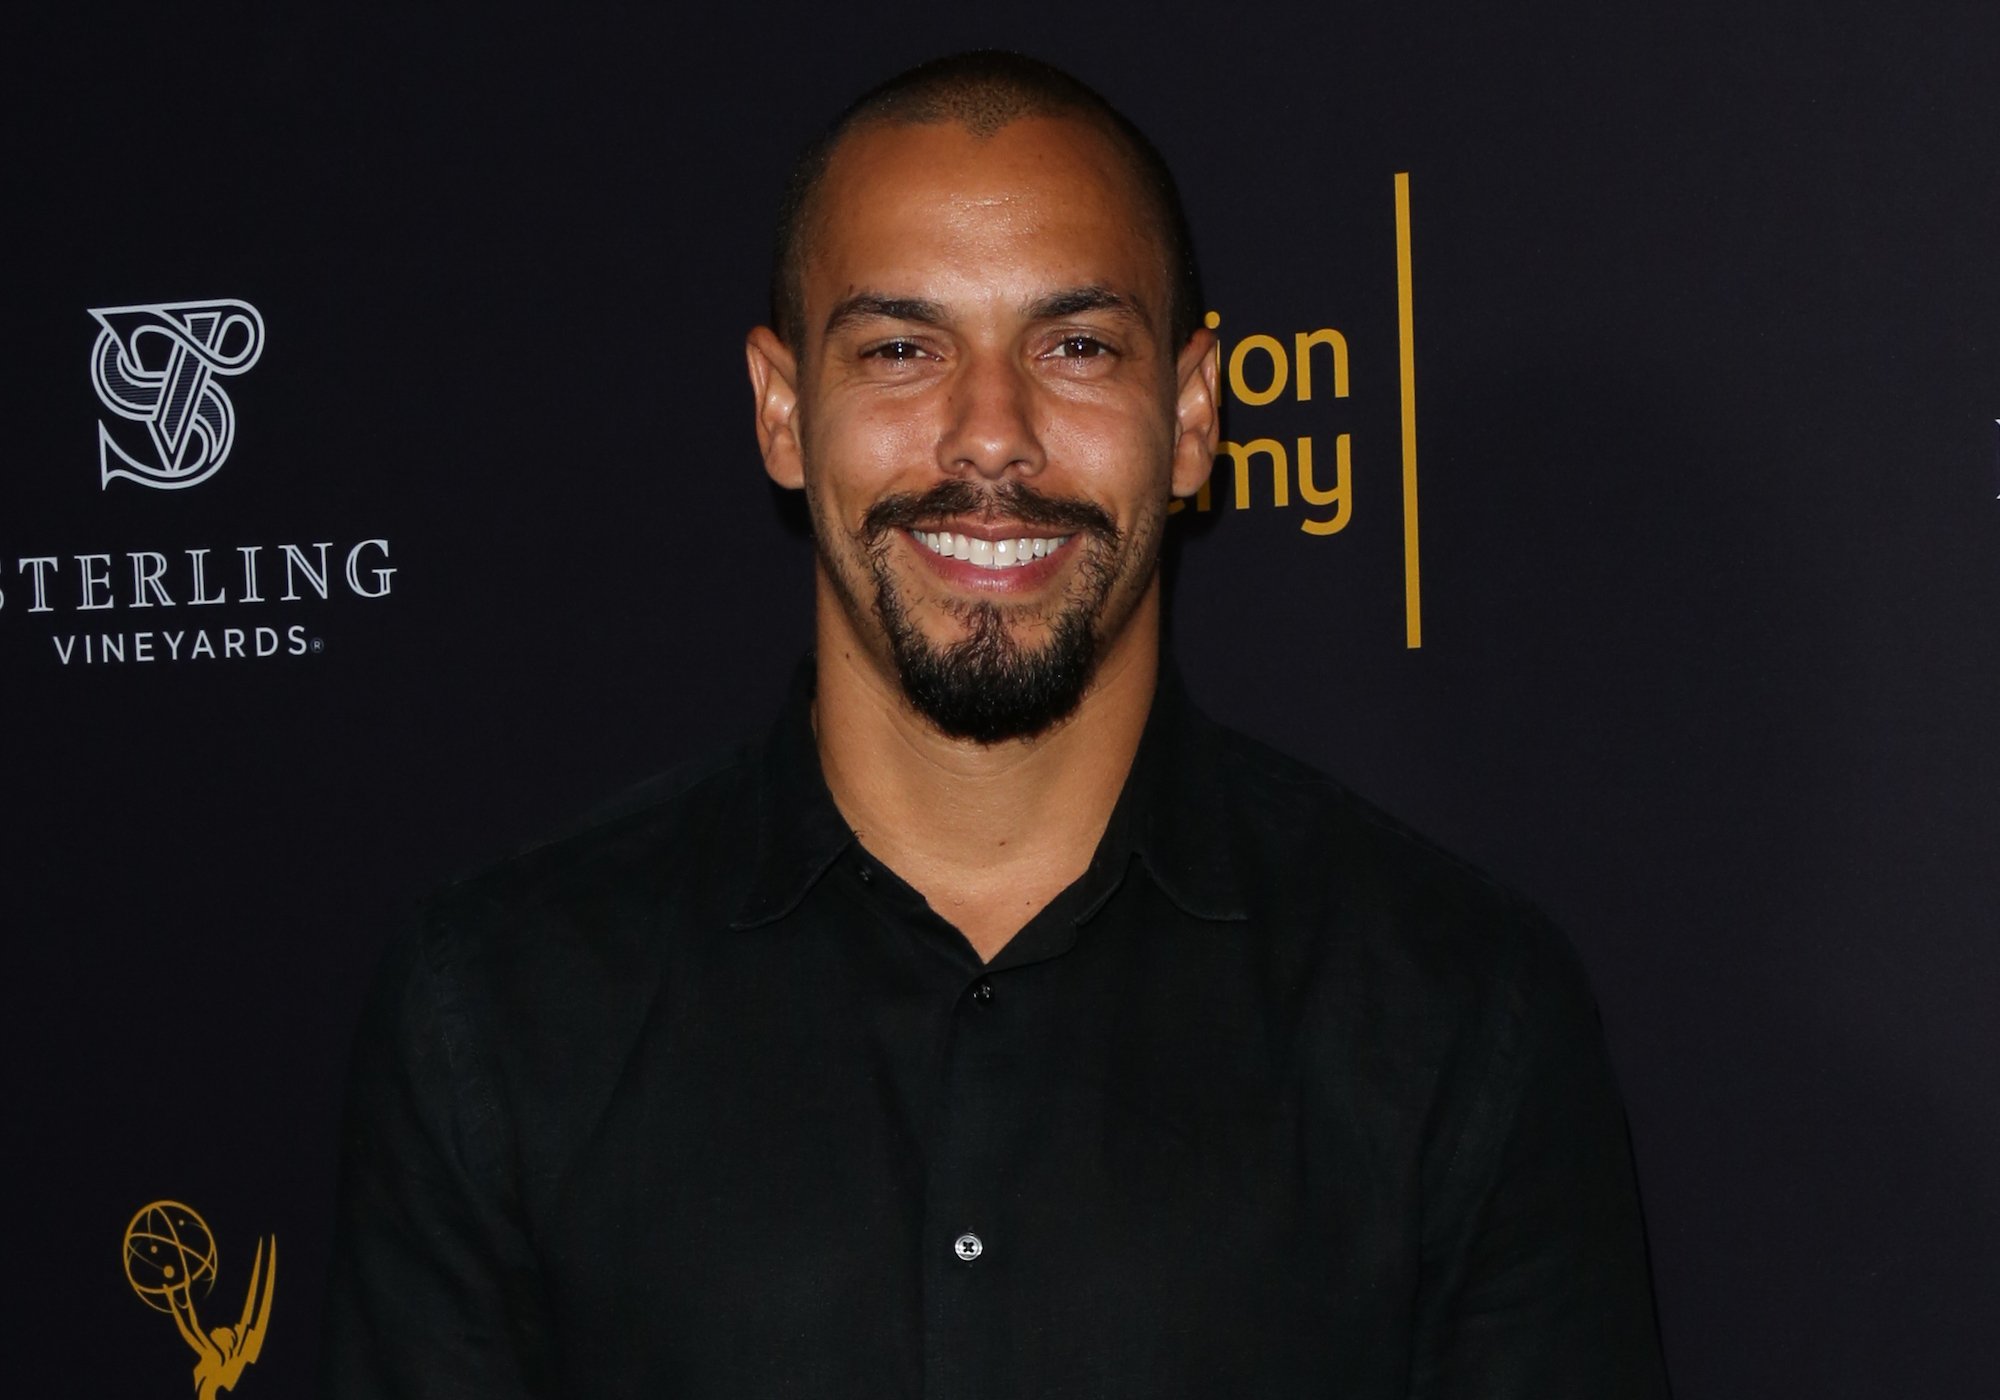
998, 1025
985, 380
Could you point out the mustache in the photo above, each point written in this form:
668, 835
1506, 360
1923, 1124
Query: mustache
1011, 500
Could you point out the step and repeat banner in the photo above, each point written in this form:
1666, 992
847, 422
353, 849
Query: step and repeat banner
1613, 419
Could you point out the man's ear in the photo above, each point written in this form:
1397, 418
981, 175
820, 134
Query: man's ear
774, 381
1197, 412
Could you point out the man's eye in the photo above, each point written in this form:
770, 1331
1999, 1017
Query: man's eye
896, 350
1081, 347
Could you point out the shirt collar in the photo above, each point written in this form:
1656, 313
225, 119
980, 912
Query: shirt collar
1176, 806
799, 830
1172, 814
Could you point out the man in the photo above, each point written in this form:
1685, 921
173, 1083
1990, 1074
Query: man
999, 1025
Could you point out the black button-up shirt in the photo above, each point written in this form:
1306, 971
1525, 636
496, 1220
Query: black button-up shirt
1276, 1100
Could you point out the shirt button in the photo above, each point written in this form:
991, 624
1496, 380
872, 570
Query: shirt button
867, 874
982, 992
967, 1247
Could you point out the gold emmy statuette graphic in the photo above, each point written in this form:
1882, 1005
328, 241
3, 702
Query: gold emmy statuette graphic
169, 1253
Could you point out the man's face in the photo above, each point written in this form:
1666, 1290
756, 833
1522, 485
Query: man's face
986, 414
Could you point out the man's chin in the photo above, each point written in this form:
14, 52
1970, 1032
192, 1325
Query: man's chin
988, 716
992, 669
1020, 642
983, 688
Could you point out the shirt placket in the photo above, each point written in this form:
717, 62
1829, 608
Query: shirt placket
970, 1253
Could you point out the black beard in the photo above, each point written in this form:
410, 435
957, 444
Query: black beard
986, 687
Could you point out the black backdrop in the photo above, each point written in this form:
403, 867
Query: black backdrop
1707, 373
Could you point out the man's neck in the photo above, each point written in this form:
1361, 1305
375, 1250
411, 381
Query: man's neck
987, 833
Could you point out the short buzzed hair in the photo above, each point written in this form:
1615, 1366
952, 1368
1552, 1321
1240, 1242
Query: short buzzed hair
982, 91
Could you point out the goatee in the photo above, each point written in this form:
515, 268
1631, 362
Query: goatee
986, 686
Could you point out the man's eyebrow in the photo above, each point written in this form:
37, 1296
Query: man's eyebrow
872, 306
1072, 301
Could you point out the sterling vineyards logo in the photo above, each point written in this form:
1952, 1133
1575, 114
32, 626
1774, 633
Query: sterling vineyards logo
209, 597
158, 365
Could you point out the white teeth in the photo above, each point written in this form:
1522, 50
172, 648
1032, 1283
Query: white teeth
989, 554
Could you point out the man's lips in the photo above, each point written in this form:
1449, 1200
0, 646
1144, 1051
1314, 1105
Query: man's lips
971, 536
991, 528
986, 555
1012, 510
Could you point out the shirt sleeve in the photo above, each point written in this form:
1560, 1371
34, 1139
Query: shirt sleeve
1535, 1277
433, 1290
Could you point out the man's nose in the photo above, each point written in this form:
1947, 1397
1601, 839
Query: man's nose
989, 425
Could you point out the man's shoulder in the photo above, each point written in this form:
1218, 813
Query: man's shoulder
1366, 880
663, 838
526, 984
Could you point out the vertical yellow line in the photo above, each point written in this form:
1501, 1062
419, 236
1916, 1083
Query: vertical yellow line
1413, 609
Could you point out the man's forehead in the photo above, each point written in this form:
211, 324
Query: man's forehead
886, 166
893, 189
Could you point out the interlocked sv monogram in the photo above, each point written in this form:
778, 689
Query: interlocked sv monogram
159, 365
